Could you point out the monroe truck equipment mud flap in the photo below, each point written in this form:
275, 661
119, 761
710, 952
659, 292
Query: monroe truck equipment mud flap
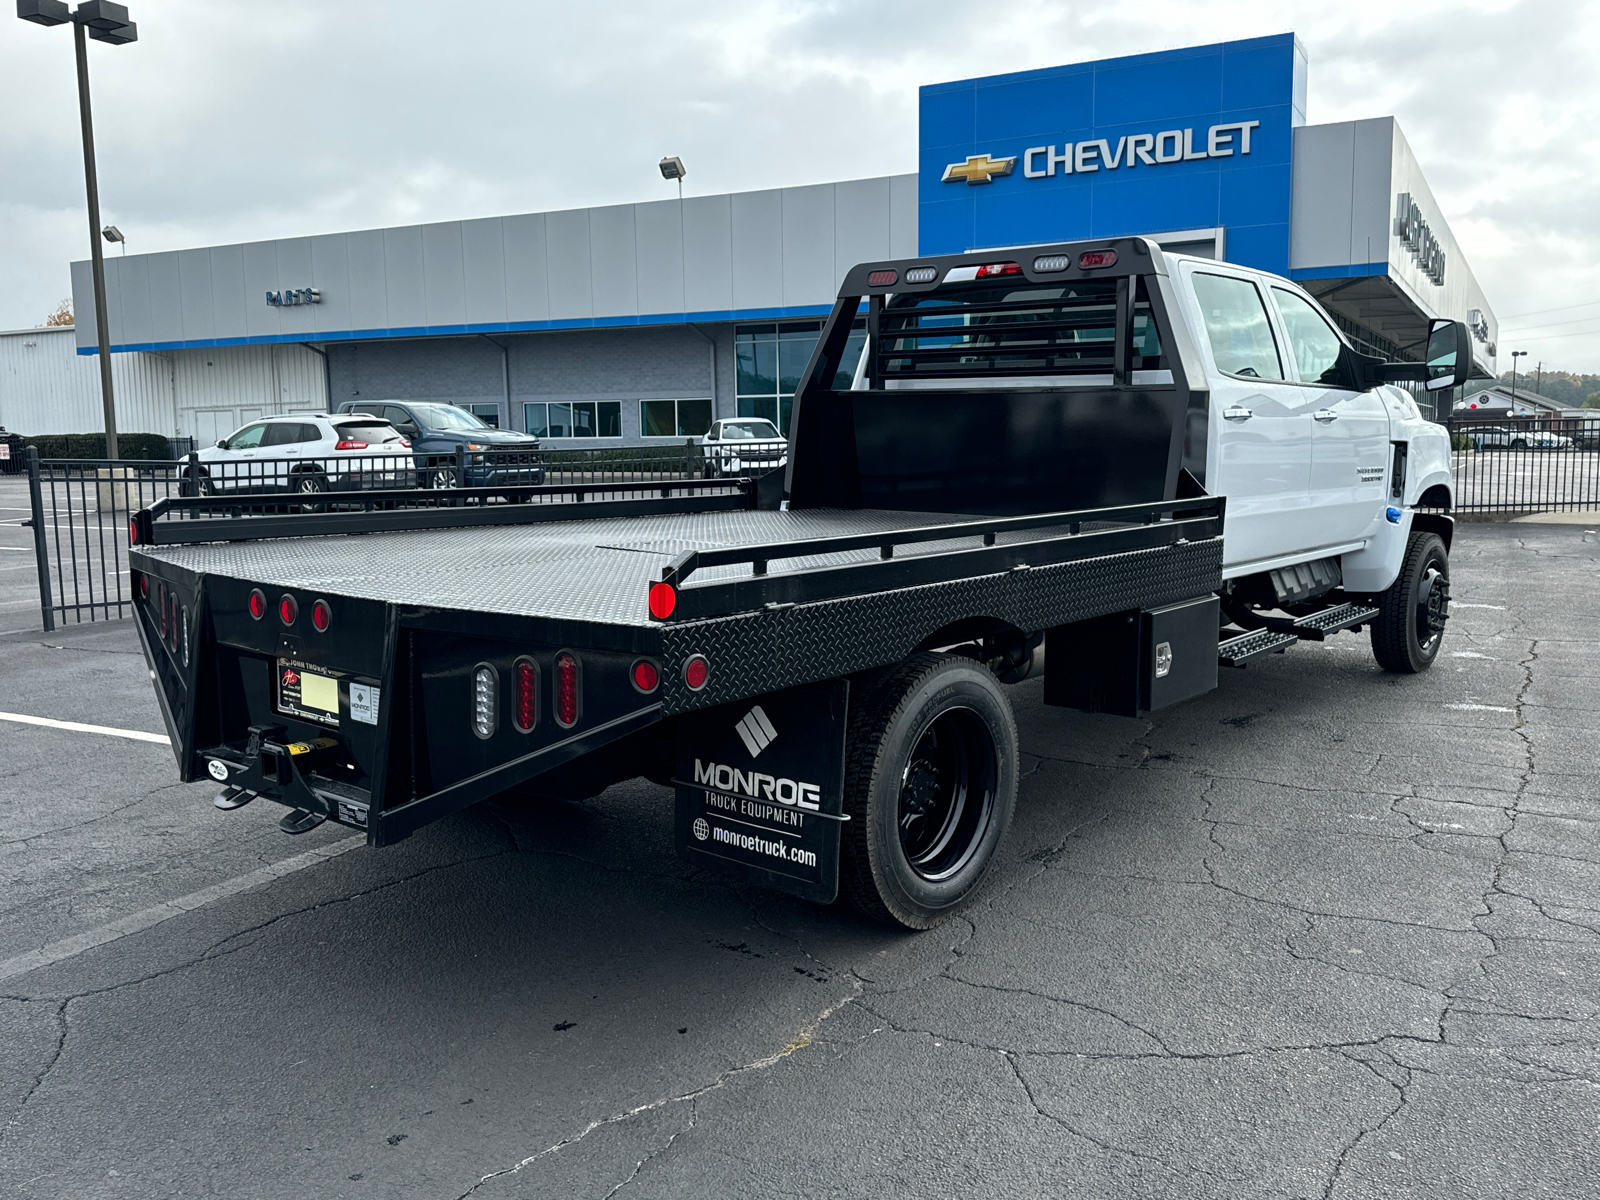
761, 788
1133, 663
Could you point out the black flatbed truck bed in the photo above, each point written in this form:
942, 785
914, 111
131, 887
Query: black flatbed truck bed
736, 601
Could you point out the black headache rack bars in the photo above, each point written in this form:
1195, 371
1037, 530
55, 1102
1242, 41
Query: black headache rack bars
187, 520
1125, 528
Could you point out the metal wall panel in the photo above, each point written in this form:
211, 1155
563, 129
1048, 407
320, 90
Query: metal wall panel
227, 292
902, 216
483, 271
613, 257
294, 271
260, 277
443, 274
194, 285
369, 289
404, 277
1375, 149
223, 387
83, 289
46, 386
758, 249
860, 225
1319, 232
133, 293
808, 237
708, 254
166, 299
527, 268
659, 253
330, 274
567, 249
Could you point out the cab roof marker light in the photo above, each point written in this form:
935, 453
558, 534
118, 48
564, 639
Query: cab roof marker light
922, 274
1052, 262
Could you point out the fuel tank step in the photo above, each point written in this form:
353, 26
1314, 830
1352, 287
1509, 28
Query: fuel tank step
1316, 626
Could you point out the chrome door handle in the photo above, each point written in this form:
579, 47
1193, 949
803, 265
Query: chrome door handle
1237, 413
1325, 416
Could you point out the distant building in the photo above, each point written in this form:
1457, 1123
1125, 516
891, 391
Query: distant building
1497, 403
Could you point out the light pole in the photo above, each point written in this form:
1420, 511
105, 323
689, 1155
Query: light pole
104, 22
113, 234
1515, 354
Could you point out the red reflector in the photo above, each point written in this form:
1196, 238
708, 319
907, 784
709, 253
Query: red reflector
990, 270
525, 714
258, 604
133, 532
645, 676
288, 610
881, 278
321, 616
696, 671
351, 446
662, 600
567, 684
1097, 258
144, 585
161, 599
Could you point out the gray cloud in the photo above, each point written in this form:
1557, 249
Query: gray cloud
228, 123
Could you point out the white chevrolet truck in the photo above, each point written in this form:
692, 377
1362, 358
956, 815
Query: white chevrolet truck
1097, 462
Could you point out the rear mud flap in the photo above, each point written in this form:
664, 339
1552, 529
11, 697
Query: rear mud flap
761, 788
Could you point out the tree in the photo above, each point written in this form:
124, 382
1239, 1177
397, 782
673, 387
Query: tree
62, 314
1593, 401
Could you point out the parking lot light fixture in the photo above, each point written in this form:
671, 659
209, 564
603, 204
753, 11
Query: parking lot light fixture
105, 22
672, 168
1515, 354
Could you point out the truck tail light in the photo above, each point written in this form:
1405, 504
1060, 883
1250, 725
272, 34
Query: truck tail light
485, 701
321, 616
646, 677
347, 444
288, 609
525, 713
161, 600
663, 599
406, 442
991, 270
144, 587
569, 690
696, 672
882, 278
258, 603
1097, 258
133, 529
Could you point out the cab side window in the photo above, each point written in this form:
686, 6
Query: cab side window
1312, 341
1236, 322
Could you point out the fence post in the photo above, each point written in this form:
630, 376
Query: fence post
41, 546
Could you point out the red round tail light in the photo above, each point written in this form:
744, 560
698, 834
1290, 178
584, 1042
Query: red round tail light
288, 610
525, 712
645, 676
696, 672
133, 531
258, 604
161, 599
1090, 259
144, 585
321, 616
568, 690
663, 599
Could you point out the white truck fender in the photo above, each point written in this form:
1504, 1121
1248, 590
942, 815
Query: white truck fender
1377, 565
1427, 465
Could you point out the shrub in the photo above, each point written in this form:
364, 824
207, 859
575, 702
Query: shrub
93, 445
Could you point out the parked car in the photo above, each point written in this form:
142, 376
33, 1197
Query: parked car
305, 453
443, 434
744, 446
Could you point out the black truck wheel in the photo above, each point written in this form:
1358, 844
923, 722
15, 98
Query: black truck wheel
930, 786
1411, 615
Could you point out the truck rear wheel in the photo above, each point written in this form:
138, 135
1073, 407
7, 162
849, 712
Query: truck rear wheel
930, 786
1411, 615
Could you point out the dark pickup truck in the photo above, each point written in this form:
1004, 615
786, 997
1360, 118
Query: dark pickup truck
814, 660
455, 448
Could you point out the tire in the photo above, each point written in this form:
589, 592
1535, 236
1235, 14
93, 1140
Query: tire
196, 484
444, 477
311, 483
930, 787
1409, 628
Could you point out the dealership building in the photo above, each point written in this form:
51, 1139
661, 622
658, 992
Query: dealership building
638, 323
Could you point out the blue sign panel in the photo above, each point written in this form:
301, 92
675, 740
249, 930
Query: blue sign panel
1185, 139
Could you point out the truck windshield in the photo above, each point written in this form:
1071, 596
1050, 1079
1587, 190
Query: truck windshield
985, 329
448, 416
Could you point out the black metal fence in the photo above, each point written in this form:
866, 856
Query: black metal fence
81, 507
1522, 466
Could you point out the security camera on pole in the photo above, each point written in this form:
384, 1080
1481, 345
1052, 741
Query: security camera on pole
104, 22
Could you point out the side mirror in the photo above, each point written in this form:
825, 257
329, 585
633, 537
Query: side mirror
222, 443
1449, 355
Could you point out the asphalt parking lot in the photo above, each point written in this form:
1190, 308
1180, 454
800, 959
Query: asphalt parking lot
1324, 932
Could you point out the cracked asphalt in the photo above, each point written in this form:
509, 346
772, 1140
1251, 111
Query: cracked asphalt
1325, 932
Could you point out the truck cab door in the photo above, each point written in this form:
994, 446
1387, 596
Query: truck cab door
1261, 421
1350, 450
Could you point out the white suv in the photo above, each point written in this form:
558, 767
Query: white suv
305, 453
744, 446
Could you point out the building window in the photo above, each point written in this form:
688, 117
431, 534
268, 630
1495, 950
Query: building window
489, 414
674, 418
771, 358
574, 419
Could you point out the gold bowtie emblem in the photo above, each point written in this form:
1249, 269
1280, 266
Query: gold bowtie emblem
979, 168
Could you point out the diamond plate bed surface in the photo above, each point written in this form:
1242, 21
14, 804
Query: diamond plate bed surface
590, 570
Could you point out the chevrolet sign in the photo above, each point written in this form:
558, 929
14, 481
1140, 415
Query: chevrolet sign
1095, 154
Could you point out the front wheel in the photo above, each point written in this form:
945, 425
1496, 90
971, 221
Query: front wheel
310, 484
1412, 613
445, 477
930, 787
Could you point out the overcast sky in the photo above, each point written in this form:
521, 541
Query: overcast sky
233, 122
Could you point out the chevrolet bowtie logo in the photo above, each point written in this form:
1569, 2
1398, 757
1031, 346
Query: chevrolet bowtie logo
979, 168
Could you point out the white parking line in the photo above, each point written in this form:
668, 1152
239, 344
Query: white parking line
137, 735
73, 946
